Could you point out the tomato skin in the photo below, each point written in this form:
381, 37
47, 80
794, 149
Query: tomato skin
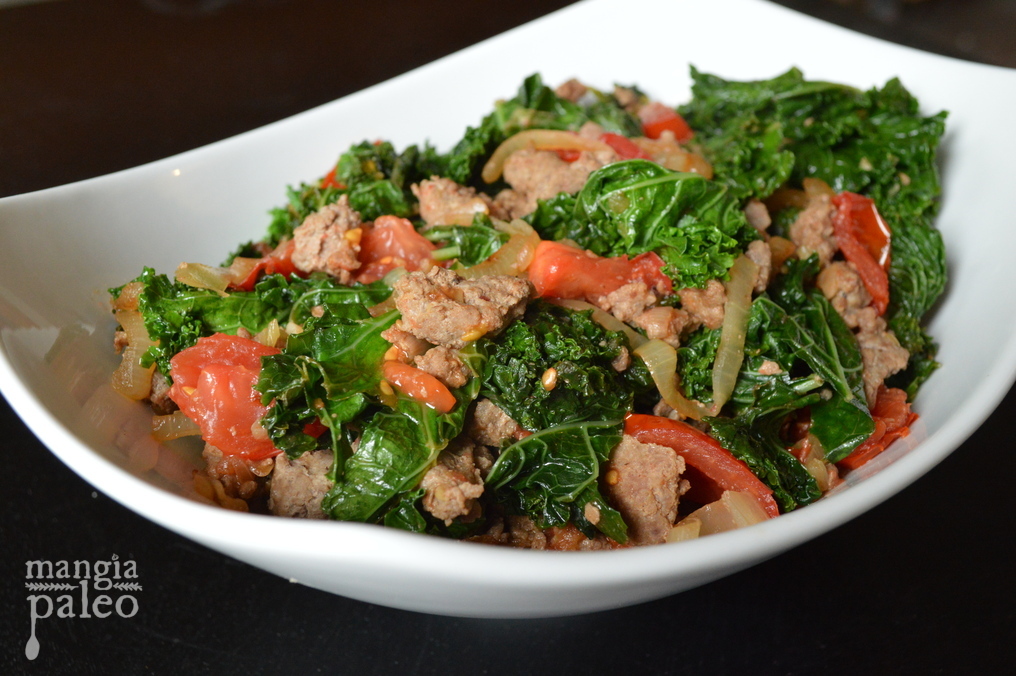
657, 118
419, 385
329, 180
562, 271
893, 418
213, 384
864, 239
279, 261
711, 469
623, 146
392, 242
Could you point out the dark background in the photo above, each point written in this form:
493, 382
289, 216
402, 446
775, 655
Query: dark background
923, 584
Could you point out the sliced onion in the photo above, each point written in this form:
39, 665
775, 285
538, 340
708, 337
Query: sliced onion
514, 256
174, 426
604, 319
734, 509
202, 276
270, 335
130, 379
661, 360
538, 139
687, 528
782, 249
669, 154
730, 352
129, 295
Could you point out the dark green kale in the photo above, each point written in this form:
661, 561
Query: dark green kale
327, 373
470, 245
535, 106
761, 134
552, 474
176, 314
635, 206
397, 447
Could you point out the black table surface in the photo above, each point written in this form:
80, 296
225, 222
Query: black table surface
922, 584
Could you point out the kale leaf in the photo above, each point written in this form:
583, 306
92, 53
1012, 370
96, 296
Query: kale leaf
397, 447
635, 206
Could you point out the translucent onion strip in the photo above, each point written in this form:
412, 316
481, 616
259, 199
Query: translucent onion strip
605, 319
202, 276
538, 139
174, 426
734, 509
514, 256
661, 360
130, 379
737, 309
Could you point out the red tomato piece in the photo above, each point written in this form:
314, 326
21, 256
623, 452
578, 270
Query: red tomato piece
562, 271
657, 118
711, 469
624, 147
329, 180
864, 239
392, 242
419, 385
213, 384
279, 261
568, 155
893, 419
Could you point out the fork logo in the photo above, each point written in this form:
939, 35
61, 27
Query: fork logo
67, 587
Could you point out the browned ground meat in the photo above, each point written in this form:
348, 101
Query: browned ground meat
329, 240
757, 215
452, 486
444, 364
812, 231
298, 485
881, 354
705, 305
445, 202
541, 174
573, 90
628, 301
629, 99
665, 323
643, 482
409, 345
841, 284
445, 309
490, 425
760, 254
159, 396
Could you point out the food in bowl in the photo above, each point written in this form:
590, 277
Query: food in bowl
597, 321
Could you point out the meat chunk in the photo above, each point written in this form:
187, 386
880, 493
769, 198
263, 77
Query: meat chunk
452, 486
444, 364
445, 202
409, 346
644, 484
881, 354
812, 231
572, 90
665, 323
760, 254
329, 240
159, 396
445, 309
628, 301
842, 285
298, 485
757, 215
542, 174
705, 305
491, 426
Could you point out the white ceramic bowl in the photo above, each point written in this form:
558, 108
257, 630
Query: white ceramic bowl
63, 247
